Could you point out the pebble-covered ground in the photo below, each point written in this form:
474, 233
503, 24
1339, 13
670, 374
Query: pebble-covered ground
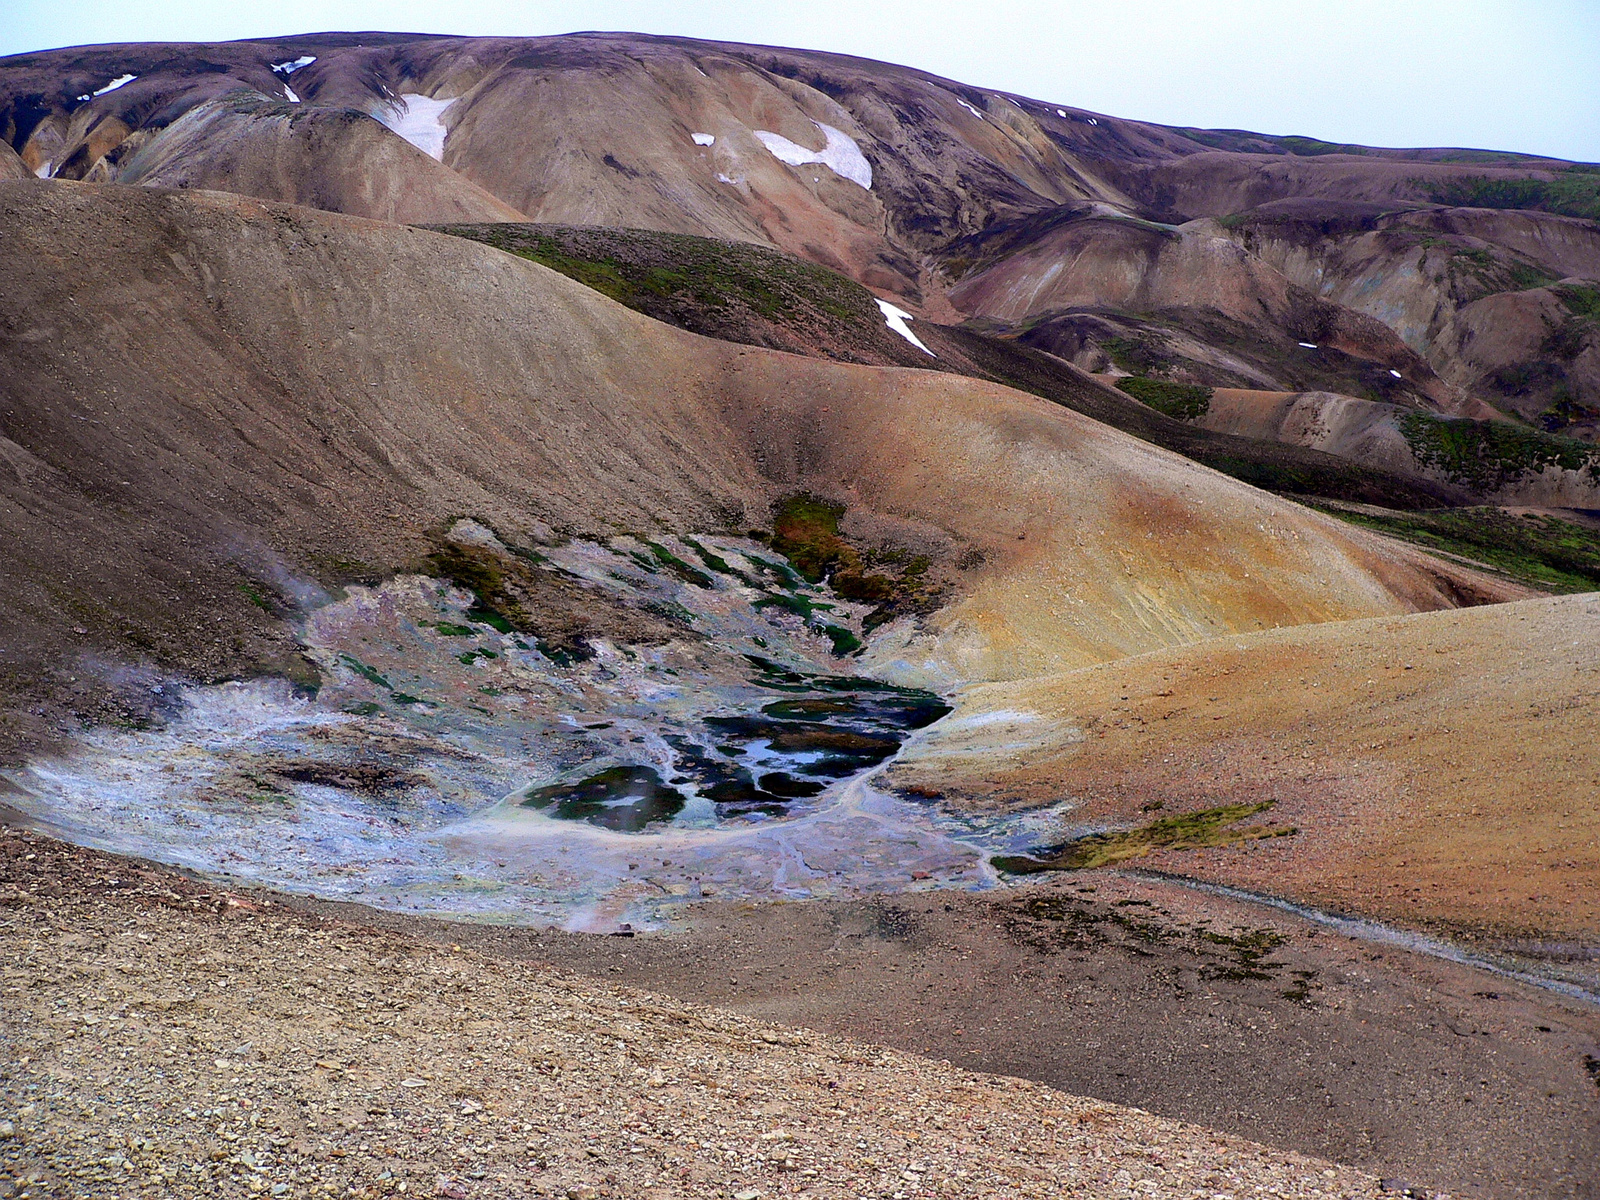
160, 1037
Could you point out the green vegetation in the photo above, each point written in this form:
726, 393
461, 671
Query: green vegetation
1582, 300
1497, 274
690, 575
844, 642
715, 562
251, 593
1310, 147
366, 672
476, 571
1542, 552
1139, 356
1181, 401
1486, 455
805, 530
1574, 192
693, 282
1185, 831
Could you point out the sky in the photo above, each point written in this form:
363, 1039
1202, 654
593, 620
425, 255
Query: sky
1514, 75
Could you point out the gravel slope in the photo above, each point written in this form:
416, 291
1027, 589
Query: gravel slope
163, 1038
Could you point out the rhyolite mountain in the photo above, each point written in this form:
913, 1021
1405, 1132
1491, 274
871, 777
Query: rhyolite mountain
1459, 281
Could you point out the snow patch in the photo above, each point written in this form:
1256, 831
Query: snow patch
119, 81
1395, 373
1061, 112
1309, 345
1092, 121
294, 64
420, 120
289, 92
841, 155
704, 139
721, 178
44, 169
895, 319
969, 108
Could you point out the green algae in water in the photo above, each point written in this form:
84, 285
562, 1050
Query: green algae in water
366, 672
1184, 831
622, 799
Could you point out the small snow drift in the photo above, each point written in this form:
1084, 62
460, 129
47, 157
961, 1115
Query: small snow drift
293, 65
704, 139
119, 81
420, 120
895, 319
288, 93
841, 155
969, 108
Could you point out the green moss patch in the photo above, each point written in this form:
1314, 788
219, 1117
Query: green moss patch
477, 571
1181, 401
709, 286
1185, 831
1500, 272
1581, 299
1540, 551
1486, 455
1572, 193
805, 530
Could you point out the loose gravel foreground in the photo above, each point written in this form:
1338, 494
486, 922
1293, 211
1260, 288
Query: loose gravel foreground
162, 1037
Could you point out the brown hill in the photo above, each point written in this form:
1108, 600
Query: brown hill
899, 179
11, 166
1502, 303
1438, 769
338, 159
254, 365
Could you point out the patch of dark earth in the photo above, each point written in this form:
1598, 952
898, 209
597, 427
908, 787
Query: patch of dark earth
1439, 1077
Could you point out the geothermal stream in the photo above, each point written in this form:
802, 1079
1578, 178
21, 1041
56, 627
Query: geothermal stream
452, 767
455, 768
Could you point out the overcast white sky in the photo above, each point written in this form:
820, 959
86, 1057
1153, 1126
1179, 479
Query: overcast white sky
1514, 75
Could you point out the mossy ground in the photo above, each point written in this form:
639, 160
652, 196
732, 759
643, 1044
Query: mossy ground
1180, 401
1486, 455
805, 529
1540, 551
1574, 192
730, 290
1184, 831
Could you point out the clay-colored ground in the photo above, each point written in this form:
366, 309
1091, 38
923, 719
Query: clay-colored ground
12, 167
1440, 768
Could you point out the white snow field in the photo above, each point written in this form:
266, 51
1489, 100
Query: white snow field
420, 120
704, 139
895, 319
841, 155
294, 64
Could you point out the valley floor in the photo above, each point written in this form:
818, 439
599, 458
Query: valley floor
165, 1036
